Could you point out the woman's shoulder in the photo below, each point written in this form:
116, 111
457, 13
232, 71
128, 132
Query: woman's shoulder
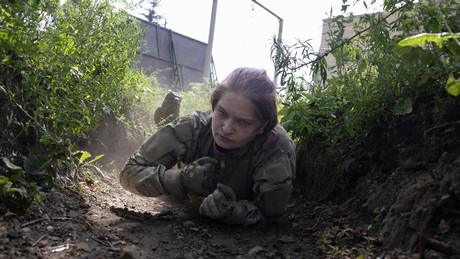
280, 136
277, 152
277, 141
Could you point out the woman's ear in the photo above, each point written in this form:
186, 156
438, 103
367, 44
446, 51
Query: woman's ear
262, 128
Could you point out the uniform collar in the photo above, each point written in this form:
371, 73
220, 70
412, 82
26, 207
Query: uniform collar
231, 153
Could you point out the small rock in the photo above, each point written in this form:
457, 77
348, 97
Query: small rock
50, 228
113, 237
189, 255
3, 230
189, 224
97, 254
286, 239
255, 250
25, 230
84, 246
129, 252
444, 226
432, 254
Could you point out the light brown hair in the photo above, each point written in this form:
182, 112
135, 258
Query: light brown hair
255, 85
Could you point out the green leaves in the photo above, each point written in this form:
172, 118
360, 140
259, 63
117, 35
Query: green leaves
423, 39
82, 167
441, 40
403, 107
453, 86
37, 164
16, 192
374, 73
15, 170
63, 69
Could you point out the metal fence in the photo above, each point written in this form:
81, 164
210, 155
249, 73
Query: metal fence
177, 59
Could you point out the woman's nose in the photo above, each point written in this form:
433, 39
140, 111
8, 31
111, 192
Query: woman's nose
228, 127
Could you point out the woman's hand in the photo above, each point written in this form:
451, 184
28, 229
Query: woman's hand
197, 178
218, 203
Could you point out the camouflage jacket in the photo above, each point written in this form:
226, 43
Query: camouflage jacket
260, 173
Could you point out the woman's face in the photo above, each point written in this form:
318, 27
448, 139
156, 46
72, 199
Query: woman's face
234, 121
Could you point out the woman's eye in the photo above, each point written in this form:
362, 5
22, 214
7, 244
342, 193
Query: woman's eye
222, 113
244, 123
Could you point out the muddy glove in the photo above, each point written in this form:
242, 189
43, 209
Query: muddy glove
218, 204
197, 177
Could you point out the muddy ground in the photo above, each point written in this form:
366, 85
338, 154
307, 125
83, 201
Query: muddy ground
108, 222
387, 201
112, 223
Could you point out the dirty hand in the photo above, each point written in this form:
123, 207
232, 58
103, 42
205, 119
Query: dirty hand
197, 177
218, 203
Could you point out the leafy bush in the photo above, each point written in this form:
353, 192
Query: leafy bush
16, 192
63, 68
73, 68
375, 77
199, 98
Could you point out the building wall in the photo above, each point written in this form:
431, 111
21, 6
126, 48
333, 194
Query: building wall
324, 47
177, 59
349, 33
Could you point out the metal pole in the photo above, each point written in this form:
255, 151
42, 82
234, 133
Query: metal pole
266, 9
280, 33
207, 62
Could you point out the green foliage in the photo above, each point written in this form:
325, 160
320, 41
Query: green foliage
453, 86
449, 41
83, 167
440, 39
379, 72
198, 98
63, 68
16, 192
76, 72
332, 235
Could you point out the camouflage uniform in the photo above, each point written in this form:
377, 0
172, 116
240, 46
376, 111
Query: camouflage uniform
260, 173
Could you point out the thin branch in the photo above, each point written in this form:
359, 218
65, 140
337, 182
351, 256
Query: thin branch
425, 133
33, 222
354, 36
43, 219
40, 239
437, 245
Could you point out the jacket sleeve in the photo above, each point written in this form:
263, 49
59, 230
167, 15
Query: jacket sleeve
148, 172
272, 188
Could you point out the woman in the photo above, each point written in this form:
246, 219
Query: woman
239, 161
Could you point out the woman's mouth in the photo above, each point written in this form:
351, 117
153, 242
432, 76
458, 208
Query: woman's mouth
224, 139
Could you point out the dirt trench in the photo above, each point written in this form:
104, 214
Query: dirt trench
108, 222
112, 223
386, 202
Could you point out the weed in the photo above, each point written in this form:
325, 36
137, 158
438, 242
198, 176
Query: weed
382, 71
58, 88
